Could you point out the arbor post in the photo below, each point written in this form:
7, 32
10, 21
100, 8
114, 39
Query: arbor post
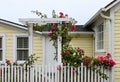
59, 45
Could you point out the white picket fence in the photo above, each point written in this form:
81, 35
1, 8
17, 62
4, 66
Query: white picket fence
50, 73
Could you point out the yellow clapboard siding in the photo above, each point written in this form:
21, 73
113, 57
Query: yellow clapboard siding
85, 43
9, 31
37, 48
117, 45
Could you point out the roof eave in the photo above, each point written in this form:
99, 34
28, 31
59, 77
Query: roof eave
93, 18
13, 24
83, 33
113, 3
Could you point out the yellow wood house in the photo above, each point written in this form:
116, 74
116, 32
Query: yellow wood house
98, 36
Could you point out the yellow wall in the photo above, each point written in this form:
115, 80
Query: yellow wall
117, 45
37, 47
9, 31
85, 42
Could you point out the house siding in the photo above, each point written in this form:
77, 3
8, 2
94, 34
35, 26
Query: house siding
117, 45
85, 42
37, 47
9, 32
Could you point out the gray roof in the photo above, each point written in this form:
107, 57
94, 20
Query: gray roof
10, 22
80, 28
110, 3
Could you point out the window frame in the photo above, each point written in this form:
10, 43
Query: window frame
3, 48
15, 47
96, 37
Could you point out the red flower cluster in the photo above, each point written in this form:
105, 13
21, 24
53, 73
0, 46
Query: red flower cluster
107, 61
110, 63
87, 60
73, 29
62, 15
50, 34
8, 62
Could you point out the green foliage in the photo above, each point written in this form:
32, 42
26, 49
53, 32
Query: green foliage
31, 60
39, 14
72, 56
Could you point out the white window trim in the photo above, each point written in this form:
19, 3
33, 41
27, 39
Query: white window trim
98, 50
15, 47
43, 49
3, 48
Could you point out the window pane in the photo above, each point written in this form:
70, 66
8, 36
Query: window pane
0, 55
22, 54
102, 44
19, 42
100, 36
98, 45
26, 42
0, 42
22, 42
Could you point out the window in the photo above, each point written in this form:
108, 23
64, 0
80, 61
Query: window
2, 48
100, 37
22, 48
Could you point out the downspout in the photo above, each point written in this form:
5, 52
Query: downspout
110, 43
109, 31
104, 16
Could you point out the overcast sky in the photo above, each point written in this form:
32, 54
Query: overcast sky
81, 10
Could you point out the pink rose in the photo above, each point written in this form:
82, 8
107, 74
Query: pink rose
59, 68
78, 49
74, 70
101, 58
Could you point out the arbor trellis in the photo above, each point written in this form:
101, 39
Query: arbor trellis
59, 28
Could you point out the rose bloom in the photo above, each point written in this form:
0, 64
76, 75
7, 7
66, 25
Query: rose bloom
61, 13
59, 68
74, 70
78, 49
73, 29
101, 58
7, 61
50, 34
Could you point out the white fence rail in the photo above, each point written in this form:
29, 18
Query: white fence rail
50, 73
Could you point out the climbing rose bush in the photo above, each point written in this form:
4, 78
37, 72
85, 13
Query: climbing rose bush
106, 61
72, 56
75, 56
62, 29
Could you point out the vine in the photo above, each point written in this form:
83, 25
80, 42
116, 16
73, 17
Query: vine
72, 56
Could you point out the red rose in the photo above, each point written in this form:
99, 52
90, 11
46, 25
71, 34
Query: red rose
61, 13
50, 34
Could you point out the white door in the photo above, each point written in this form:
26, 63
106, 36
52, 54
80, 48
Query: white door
49, 52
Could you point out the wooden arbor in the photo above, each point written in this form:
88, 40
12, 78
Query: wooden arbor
30, 21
